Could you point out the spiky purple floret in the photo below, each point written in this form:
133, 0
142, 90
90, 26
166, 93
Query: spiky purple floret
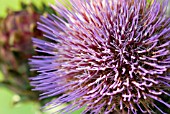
108, 56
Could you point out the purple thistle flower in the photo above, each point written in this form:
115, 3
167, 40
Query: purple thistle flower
107, 55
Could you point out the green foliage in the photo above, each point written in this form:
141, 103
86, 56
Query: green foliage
7, 104
15, 4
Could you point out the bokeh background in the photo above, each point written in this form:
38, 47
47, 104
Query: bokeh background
9, 100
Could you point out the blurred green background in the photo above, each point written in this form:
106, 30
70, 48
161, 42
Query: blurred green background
15, 4
7, 97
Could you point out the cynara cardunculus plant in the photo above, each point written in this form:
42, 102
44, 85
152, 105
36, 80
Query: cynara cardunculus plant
110, 56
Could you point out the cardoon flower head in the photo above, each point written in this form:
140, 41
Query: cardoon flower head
107, 55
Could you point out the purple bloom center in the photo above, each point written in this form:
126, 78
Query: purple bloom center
108, 56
